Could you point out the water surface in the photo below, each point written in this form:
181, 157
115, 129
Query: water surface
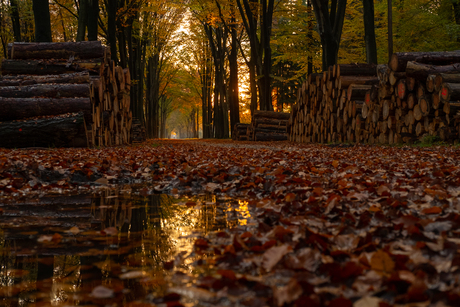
116, 249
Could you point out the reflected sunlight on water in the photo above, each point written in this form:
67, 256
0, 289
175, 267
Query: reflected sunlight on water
86, 250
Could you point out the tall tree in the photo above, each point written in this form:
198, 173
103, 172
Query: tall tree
329, 18
112, 8
369, 31
83, 12
233, 91
42, 21
261, 54
88, 15
15, 20
93, 18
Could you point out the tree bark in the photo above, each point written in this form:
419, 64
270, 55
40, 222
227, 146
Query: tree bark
19, 108
233, 82
421, 71
15, 20
93, 16
330, 25
42, 20
48, 132
40, 67
35, 51
271, 115
22, 80
46, 90
369, 30
83, 12
260, 47
399, 60
356, 69
112, 28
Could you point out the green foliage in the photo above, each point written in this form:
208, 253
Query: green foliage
429, 141
418, 25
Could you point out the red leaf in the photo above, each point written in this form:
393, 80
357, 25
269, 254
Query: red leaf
432, 210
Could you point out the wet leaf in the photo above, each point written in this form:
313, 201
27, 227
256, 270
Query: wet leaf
110, 231
74, 230
102, 292
133, 274
194, 293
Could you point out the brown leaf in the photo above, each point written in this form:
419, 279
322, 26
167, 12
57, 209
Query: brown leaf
382, 262
335, 163
272, 256
368, 301
383, 189
287, 294
110, 231
432, 210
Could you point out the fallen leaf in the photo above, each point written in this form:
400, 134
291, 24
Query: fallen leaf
102, 292
194, 293
367, 301
432, 210
287, 294
133, 274
382, 262
74, 230
273, 255
110, 231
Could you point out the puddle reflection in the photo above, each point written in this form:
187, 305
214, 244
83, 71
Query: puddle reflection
114, 249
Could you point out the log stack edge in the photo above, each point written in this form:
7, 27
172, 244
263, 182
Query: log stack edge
63, 95
415, 95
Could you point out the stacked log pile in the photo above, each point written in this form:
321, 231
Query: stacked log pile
328, 104
268, 126
138, 133
63, 94
240, 132
415, 95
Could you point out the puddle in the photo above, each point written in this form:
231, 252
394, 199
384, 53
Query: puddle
109, 250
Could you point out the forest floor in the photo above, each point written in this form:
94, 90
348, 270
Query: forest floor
335, 225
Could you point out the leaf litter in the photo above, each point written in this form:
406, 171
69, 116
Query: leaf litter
330, 226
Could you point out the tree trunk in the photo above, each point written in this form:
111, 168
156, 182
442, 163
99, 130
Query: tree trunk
399, 60
421, 71
93, 16
252, 85
42, 20
45, 90
330, 24
266, 32
40, 67
77, 50
112, 28
48, 132
19, 108
356, 69
233, 83
83, 12
22, 80
369, 29
15, 20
